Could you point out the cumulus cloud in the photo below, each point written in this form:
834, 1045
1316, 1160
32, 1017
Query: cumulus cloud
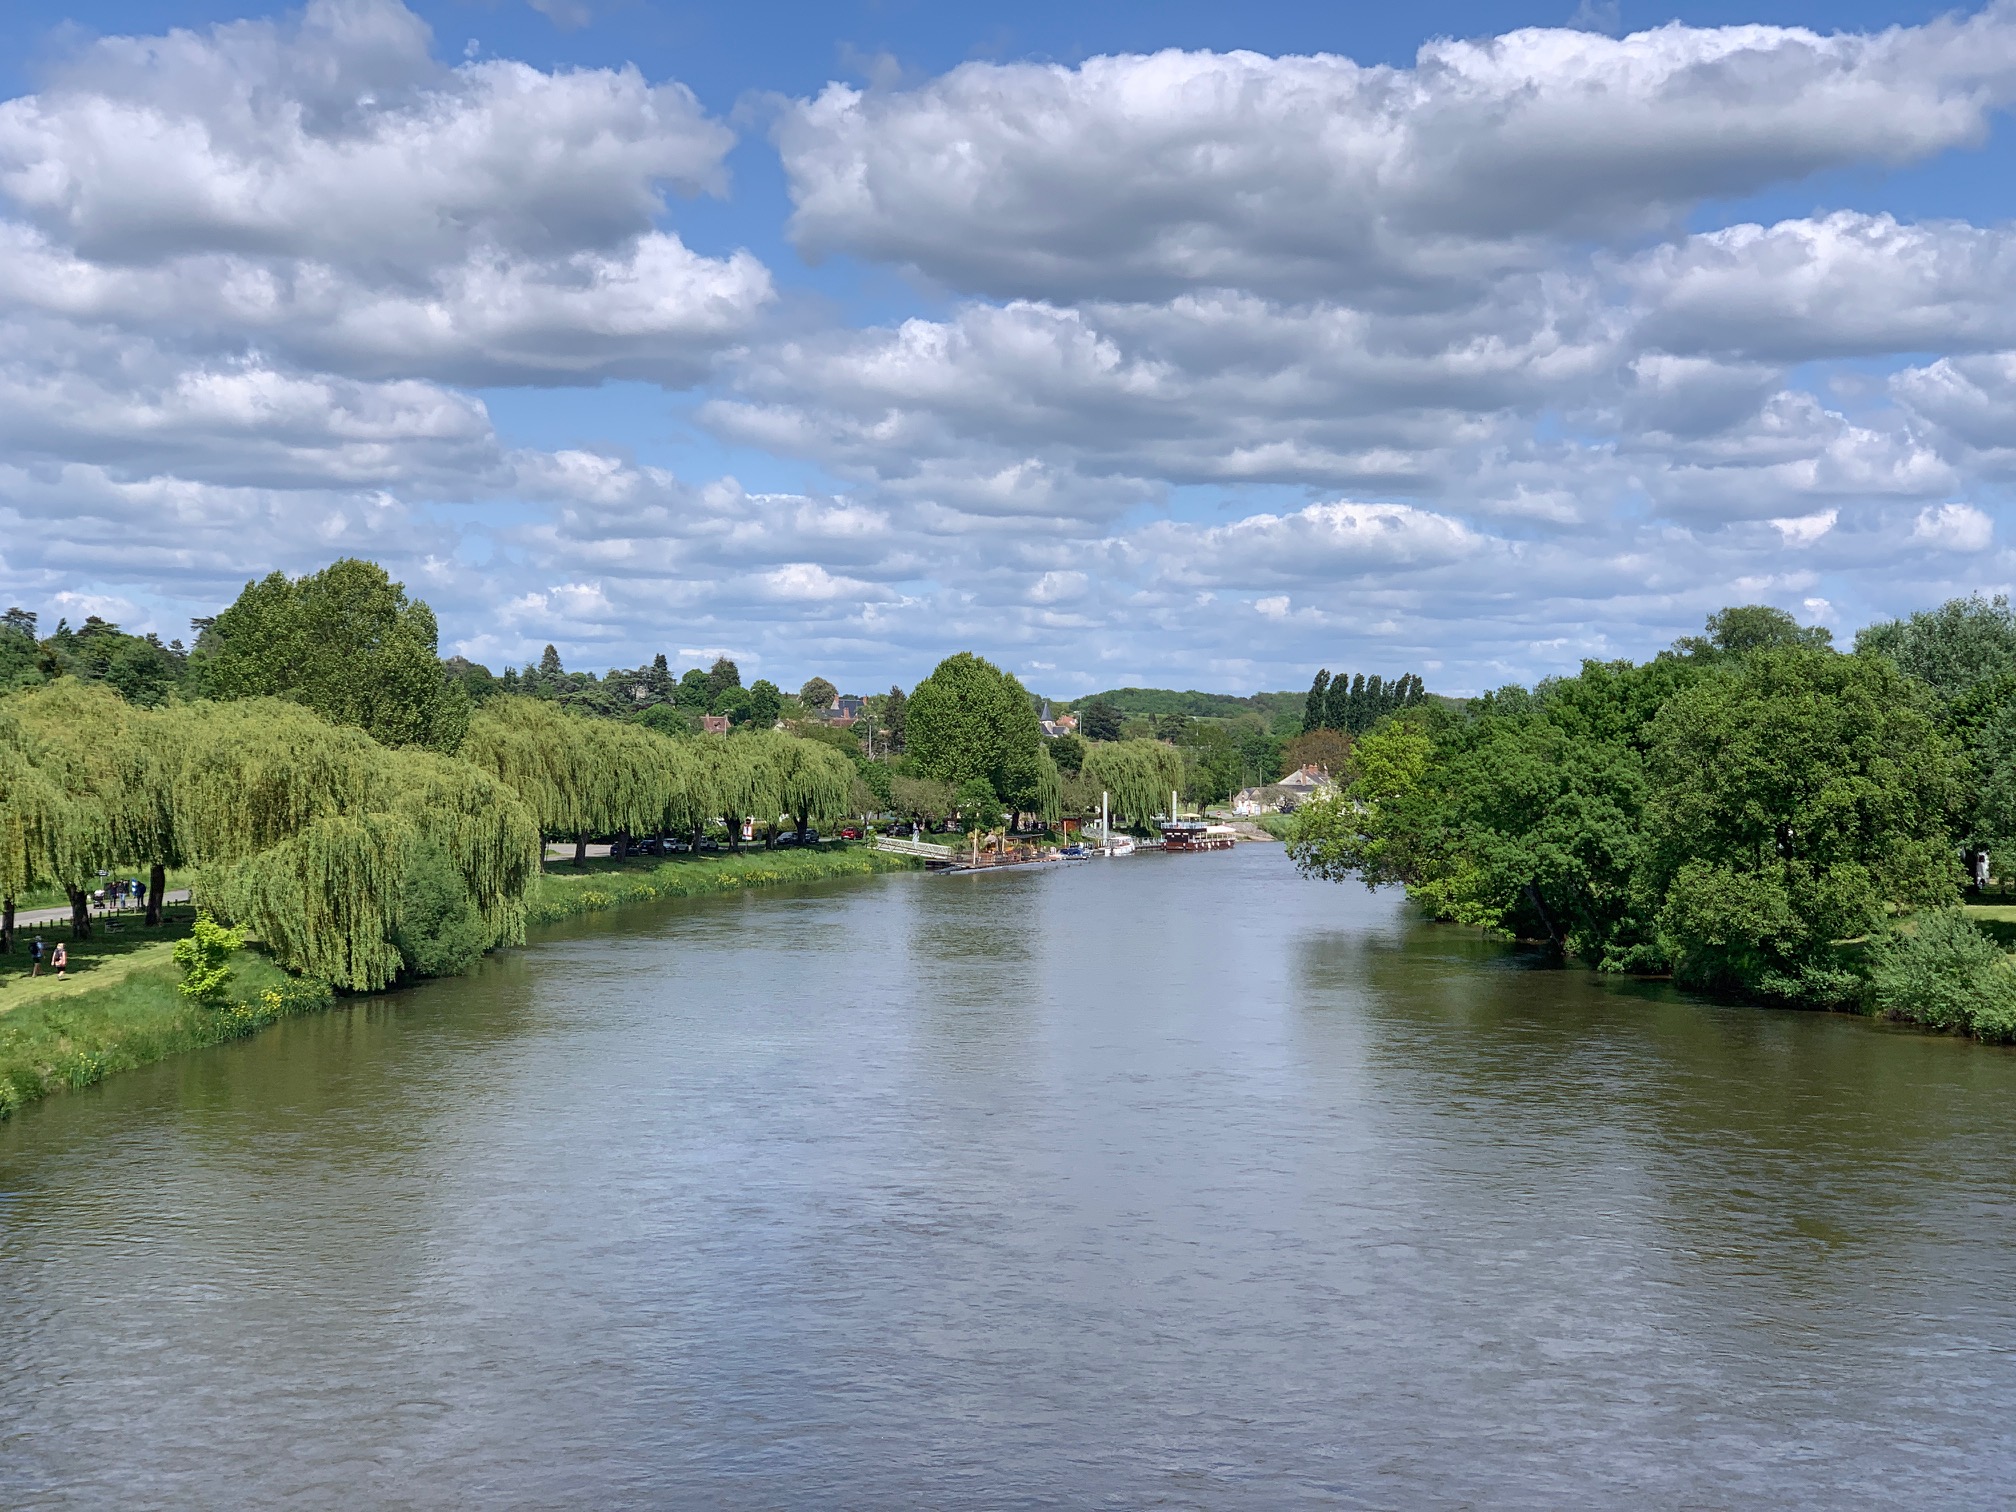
1140, 176
325, 187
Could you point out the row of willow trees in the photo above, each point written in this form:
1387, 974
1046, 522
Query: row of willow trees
354, 862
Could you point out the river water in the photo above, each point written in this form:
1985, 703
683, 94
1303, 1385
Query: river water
1174, 1181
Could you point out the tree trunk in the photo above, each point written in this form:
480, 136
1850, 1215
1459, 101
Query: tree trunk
699, 834
620, 849
803, 819
157, 888
581, 848
80, 914
735, 833
1533, 896
7, 927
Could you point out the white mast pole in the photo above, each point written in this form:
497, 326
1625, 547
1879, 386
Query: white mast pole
1105, 825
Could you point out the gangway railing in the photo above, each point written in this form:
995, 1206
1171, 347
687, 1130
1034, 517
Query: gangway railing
922, 848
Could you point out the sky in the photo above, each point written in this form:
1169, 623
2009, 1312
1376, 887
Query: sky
1166, 344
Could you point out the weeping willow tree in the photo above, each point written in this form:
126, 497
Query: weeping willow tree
732, 782
483, 829
632, 775
326, 901
1139, 775
94, 750
811, 783
1049, 789
247, 775
29, 818
542, 754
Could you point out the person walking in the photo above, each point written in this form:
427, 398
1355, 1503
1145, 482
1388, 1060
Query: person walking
35, 957
60, 959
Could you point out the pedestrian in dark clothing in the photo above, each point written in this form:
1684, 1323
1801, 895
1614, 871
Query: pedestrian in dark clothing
35, 957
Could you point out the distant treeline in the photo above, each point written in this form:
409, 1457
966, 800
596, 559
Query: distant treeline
1156, 702
1355, 703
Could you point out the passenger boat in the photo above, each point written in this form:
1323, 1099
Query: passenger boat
1195, 835
1120, 845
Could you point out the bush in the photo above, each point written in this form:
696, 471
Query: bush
1939, 969
440, 931
205, 959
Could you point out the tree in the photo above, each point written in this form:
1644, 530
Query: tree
1745, 628
345, 642
1325, 748
1068, 751
896, 719
765, 701
1099, 720
922, 798
1796, 800
1316, 711
978, 805
1139, 774
693, 692
818, 693
969, 720
1952, 649
721, 677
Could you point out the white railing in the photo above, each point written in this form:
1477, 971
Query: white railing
922, 848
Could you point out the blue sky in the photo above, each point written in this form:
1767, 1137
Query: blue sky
1471, 340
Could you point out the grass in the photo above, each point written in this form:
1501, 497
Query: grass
563, 892
108, 957
127, 1010
1276, 825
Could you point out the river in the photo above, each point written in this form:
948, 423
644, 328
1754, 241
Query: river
1172, 1181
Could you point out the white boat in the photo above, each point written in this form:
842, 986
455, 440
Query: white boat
1121, 845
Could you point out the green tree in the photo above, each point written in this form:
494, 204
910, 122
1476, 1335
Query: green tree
766, 700
1068, 751
818, 693
1796, 800
693, 692
1139, 774
345, 642
1316, 709
970, 720
721, 677
1099, 720
1746, 628
896, 720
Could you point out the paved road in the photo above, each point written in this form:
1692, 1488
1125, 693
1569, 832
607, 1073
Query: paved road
30, 917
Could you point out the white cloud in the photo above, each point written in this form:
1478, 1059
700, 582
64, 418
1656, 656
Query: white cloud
325, 188
1954, 527
1139, 176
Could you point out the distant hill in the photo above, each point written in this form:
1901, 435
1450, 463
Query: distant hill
1197, 705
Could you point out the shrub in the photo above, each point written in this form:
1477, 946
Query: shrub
205, 958
440, 930
1939, 969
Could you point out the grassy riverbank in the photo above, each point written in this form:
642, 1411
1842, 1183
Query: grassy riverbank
119, 1006
122, 1008
563, 892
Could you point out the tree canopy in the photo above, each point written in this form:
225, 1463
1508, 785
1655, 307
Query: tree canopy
345, 642
970, 720
1731, 813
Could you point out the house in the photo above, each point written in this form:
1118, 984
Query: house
714, 724
1285, 796
1062, 724
845, 711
